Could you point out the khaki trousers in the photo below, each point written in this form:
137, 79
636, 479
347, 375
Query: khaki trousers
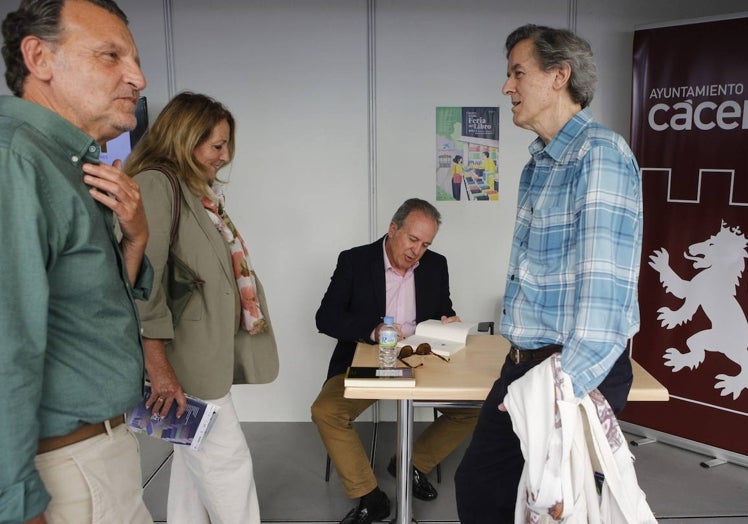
95, 481
333, 414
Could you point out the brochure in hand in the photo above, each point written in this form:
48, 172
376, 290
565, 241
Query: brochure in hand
189, 430
444, 339
379, 377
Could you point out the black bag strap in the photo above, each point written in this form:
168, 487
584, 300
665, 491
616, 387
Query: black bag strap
176, 209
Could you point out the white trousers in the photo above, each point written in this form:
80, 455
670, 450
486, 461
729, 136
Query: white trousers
97, 480
215, 484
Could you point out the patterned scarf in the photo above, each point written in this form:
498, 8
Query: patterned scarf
252, 319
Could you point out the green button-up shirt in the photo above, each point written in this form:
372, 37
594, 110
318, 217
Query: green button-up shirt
70, 351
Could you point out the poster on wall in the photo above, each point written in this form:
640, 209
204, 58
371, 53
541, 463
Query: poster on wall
690, 136
467, 153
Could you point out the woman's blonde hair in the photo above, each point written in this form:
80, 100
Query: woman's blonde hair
185, 123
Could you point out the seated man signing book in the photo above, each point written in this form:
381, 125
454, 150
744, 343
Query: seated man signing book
395, 276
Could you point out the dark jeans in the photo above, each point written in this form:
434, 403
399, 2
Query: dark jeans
487, 479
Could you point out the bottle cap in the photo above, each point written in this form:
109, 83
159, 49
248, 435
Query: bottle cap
389, 321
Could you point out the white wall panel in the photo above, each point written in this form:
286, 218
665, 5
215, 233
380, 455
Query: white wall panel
294, 73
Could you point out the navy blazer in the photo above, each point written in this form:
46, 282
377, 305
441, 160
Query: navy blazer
354, 303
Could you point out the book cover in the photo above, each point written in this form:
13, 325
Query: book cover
379, 377
189, 430
444, 339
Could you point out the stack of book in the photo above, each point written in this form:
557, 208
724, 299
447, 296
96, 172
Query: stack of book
379, 377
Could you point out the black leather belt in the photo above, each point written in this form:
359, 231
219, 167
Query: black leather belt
519, 356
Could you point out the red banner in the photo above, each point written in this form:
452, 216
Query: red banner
690, 136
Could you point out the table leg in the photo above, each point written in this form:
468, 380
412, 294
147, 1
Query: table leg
404, 461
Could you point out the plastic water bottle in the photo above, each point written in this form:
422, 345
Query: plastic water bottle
388, 344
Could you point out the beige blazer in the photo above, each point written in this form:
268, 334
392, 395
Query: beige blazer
207, 349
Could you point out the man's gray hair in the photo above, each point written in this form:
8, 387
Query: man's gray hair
416, 204
557, 47
40, 18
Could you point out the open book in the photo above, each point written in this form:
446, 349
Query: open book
444, 339
189, 430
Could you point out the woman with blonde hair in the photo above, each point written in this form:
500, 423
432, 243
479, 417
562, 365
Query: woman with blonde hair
222, 334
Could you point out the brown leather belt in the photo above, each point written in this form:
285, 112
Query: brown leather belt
519, 356
84, 432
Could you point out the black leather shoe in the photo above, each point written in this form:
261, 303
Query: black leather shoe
378, 509
422, 488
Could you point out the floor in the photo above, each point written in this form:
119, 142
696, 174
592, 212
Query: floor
289, 462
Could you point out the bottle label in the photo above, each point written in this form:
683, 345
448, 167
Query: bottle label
387, 338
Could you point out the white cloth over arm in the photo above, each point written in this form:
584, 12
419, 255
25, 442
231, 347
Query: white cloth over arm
565, 441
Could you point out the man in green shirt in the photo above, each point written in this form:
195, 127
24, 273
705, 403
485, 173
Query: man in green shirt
71, 358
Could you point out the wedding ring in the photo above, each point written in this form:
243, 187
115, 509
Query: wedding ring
160, 399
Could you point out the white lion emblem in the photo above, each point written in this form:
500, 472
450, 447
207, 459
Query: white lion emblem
721, 259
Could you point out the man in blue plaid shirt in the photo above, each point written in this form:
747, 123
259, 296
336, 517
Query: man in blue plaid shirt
572, 280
